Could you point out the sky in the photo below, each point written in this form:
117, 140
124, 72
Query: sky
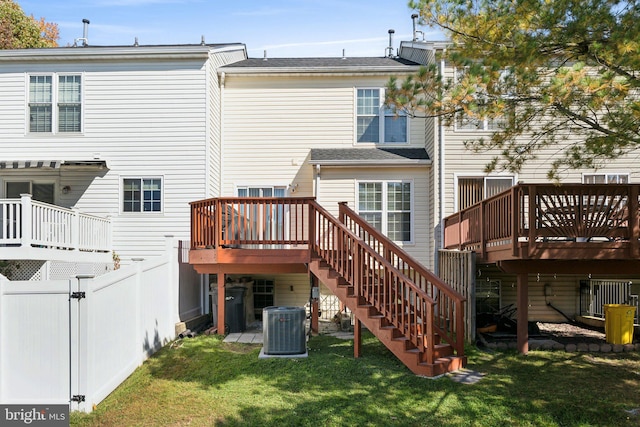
284, 28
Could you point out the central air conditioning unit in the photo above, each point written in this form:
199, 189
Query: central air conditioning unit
283, 330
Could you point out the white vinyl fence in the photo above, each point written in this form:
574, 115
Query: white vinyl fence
76, 340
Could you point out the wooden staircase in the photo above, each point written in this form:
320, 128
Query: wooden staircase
391, 336
413, 313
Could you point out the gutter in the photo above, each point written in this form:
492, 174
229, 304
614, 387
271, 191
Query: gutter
369, 163
116, 52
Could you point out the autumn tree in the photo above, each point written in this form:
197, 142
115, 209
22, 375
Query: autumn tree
560, 73
19, 31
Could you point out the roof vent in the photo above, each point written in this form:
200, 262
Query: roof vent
202, 40
85, 34
265, 55
390, 48
343, 54
414, 18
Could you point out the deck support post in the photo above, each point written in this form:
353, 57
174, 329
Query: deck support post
523, 313
221, 304
357, 338
315, 306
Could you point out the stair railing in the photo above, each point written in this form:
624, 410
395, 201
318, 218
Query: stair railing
379, 283
449, 308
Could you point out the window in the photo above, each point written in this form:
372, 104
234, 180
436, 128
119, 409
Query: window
487, 296
142, 195
40, 191
261, 191
605, 178
65, 93
375, 123
472, 190
387, 207
465, 122
262, 295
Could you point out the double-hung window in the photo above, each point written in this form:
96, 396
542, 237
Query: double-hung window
142, 195
468, 122
387, 206
376, 123
55, 103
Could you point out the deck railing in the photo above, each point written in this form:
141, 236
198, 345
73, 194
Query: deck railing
411, 298
26, 222
544, 215
449, 307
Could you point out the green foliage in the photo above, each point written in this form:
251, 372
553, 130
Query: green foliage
19, 31
558, 73
8, 268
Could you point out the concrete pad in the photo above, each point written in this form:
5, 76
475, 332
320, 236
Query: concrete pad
233, 337
262, 355
465, 376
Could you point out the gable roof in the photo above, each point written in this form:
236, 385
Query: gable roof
320, 65
369, 157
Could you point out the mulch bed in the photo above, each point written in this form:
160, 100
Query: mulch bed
563, 333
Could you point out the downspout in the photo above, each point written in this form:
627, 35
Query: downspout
316, 189
441, 165
221, 162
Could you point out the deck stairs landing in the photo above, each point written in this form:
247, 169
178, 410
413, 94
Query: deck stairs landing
391, 336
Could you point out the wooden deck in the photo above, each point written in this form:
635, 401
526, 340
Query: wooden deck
416, 315
549, 222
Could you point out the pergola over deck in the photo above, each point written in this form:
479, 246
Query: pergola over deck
546, 228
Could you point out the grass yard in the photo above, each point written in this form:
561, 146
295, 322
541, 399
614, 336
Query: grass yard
205, 382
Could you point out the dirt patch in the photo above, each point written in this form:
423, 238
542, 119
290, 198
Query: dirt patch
567, 333
563, 333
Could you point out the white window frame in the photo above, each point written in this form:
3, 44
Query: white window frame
608, 176
55, 104
383, 112
484, 125
142, 211
485, 178
385, 211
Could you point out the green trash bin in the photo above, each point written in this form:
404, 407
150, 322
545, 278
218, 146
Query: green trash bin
618, 323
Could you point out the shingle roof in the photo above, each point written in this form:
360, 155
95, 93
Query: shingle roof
320, 62
369, 156
320, 65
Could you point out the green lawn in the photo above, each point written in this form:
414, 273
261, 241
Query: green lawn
205, 382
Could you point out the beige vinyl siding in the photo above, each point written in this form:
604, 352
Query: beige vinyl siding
283, 295
272, 123
462, 162
340, 185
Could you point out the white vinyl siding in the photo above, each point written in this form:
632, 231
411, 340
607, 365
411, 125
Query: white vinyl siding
144, 118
